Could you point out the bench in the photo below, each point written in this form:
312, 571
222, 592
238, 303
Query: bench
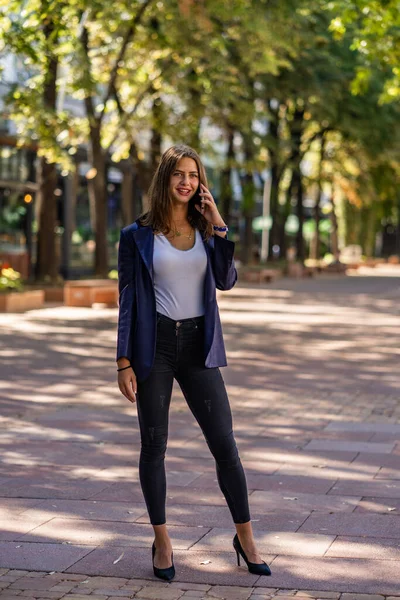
297, 269
269, 275
91, 291
261, 275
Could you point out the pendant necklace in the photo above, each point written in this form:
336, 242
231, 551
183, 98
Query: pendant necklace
178, 233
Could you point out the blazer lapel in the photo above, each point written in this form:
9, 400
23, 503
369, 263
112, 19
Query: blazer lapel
144, 239
208, 282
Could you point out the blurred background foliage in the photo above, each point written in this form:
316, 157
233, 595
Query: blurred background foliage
302, 96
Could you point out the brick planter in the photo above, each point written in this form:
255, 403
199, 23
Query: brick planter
87, 292
54, 294
21, 301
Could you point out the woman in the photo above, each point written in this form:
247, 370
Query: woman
170, 263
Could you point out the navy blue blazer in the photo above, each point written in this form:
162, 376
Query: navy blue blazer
137, 322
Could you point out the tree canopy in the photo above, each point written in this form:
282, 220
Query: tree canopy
283, 85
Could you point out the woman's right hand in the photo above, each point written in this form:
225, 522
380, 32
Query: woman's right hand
127, 384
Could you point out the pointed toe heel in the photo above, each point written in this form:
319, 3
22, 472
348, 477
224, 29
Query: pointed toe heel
166, 574
254, 568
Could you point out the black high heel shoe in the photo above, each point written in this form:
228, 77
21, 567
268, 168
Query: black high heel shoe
168, 573
255, 568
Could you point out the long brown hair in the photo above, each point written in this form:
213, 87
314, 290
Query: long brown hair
159, 214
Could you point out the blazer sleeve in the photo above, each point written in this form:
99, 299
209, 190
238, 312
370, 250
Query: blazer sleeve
223, 263
126, 287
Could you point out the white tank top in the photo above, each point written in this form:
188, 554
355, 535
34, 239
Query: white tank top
179, 278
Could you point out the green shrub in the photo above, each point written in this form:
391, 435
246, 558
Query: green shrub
10, 280
113, 274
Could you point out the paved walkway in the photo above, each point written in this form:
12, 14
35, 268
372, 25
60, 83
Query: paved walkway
314, 382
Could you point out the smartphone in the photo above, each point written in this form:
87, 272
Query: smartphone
196, 199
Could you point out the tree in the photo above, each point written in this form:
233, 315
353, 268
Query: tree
32, 30
377, 39
98, 90
315, 95
274, 79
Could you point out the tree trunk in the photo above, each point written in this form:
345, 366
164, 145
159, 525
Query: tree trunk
47, 259
370, 230
74, 196
351, 215
296, 135
46, 262
282, 237
127, 195
155, 142
142, 175
275, 178
226, 187
98, 201
71, 183
97, 185
276, 224
300, 215
247, 212
334, 232
398, 226
195, 110
284, 217
248, 202
315, 242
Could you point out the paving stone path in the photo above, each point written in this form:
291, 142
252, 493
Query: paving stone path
314, 382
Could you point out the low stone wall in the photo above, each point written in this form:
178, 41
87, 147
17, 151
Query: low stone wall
21, 301
91, 291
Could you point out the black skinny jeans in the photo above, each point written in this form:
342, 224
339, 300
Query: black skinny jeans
180, 355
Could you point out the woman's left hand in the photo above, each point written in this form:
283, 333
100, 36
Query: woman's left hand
208, 207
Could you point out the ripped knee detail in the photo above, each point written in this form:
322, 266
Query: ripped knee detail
154, 441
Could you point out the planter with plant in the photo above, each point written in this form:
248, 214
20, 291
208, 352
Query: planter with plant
13, 296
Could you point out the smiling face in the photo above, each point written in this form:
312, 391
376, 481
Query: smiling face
184, 180
174, 186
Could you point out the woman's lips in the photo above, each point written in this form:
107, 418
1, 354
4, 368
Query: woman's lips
183, 192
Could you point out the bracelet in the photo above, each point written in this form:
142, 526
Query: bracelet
123, 368
220, 228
